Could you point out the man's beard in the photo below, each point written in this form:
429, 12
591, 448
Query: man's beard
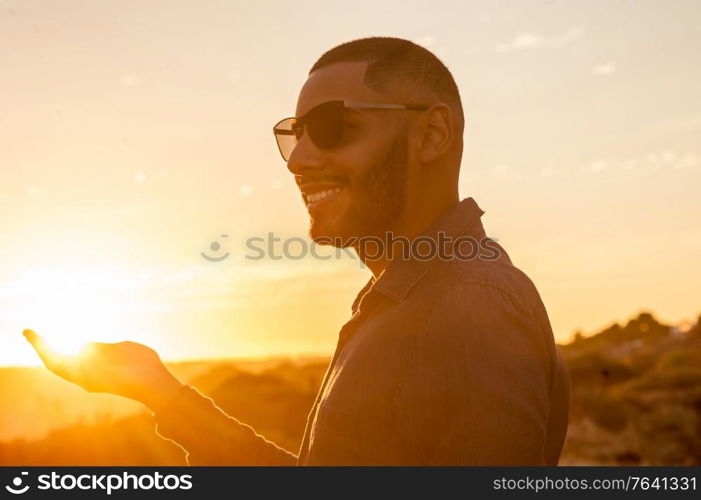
378, 198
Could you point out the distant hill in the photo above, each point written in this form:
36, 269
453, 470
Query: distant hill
275, 401
636, 395
34, 401
636, 399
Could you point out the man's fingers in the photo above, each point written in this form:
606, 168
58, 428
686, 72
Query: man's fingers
39, 345
32, 336
63, 365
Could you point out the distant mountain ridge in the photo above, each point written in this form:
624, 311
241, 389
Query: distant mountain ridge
636, 395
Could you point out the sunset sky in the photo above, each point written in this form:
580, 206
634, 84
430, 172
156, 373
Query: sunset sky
135, 133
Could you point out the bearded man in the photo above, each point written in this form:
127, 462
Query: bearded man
448, 357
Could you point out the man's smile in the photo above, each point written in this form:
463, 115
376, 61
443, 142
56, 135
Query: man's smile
320, 190
319, 196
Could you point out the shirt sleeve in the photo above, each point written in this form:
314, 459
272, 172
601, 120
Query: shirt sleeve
211, 437
473, 389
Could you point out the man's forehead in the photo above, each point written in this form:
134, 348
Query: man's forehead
338, 81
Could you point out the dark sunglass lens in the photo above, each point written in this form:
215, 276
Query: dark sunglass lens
286, 136
325, 124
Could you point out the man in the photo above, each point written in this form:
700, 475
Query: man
449, 357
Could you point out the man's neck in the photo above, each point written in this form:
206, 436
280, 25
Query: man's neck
376, 266
378, 260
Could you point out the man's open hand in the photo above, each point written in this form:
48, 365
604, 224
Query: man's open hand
126, 369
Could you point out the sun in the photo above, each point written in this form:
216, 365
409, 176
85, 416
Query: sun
68, 326
71, 306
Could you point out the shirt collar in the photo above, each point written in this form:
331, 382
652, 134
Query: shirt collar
401, 275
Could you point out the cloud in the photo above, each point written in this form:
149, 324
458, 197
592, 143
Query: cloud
162, 175
687, 123
689, 160
142, 177
666, 159
593, 167
605, 69
130, 80
522, 41
653, 157
597, 166
630, 164
526, 41
668, 156
499, 170
548, 172
656, 160
610, 169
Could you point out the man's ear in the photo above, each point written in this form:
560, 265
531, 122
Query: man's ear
437, 133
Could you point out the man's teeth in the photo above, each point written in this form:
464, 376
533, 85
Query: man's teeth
320, 195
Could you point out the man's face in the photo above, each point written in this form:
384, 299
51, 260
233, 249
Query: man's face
365, 174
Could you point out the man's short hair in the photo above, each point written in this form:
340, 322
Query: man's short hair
398, 63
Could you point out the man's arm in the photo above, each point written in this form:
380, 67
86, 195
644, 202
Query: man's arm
136, 372
211, 437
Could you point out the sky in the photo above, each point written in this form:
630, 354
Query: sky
134, 134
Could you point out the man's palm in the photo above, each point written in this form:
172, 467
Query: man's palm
126, 368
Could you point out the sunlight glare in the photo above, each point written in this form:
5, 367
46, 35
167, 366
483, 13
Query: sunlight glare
71, 306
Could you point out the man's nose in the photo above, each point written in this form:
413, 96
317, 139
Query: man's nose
305, 157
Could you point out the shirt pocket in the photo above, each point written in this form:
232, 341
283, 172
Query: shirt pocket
335, 438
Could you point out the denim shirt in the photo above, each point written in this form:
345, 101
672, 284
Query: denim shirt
445, 361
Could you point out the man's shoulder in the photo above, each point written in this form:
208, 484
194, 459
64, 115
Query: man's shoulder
480, 281
463, 310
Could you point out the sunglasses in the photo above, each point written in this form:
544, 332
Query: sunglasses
324, 124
